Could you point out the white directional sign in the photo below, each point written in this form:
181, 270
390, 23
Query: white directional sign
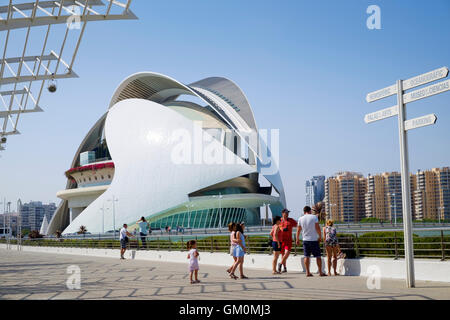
382, 93
425, 78
382, 114
408, 84
403, 126
427, 91
424, 121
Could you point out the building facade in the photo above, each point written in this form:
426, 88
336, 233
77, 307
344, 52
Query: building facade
8, 223
315, 190
432, 194
381, 196
176, 154
383, 199
32, 214
345, 197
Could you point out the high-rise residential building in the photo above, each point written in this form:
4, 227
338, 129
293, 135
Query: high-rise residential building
344, 197
315, 190
349, 196
8, 222
432, 194
383, 199
33, 213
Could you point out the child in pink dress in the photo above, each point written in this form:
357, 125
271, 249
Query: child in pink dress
193, 260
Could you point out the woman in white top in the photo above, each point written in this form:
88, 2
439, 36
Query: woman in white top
143, 227
233, 242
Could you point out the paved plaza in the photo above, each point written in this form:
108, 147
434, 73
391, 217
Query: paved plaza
27, 275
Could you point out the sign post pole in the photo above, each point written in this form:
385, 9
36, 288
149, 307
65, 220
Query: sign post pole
403, 127
406, 189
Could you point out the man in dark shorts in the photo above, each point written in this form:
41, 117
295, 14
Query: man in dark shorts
309, 226
287, 224
124, 234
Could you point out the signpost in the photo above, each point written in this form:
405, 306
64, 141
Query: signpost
382, 114
408, 84
420, 122
404, 126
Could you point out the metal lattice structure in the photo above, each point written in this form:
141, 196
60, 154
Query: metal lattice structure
39, 57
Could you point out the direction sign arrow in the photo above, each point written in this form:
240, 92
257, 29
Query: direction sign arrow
382, 93
382, 114
425, 78
409, 84
427, 91
424, 121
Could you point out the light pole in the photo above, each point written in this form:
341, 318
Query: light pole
4, 221
114, 200
103, 217
8, 221
189, 206
331, 210
264, 220
19, 224
395, 207
442, 209
220, 209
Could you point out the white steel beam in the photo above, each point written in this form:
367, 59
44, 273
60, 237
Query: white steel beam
39, 68
49, 4
19, 23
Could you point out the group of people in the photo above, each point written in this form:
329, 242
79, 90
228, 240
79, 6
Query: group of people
308, 226
144, 231
281, 240
238, 250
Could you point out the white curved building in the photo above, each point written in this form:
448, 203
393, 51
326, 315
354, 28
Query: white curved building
179, 155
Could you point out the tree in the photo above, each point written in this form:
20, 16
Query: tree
82, 230
319, 210
25, 232
35, 235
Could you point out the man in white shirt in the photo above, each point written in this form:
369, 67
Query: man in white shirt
124, 234
308, 224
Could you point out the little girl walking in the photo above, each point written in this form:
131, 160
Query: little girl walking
193, 260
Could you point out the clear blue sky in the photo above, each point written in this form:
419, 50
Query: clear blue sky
305, 67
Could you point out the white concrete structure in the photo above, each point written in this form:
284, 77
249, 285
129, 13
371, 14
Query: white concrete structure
175, 161
44, 226
426, 269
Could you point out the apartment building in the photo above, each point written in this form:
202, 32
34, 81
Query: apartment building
432, 194
345, 197
314, 190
